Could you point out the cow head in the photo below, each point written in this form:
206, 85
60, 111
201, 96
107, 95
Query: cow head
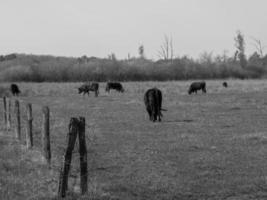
189, 91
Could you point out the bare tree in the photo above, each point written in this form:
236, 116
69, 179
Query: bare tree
112, 56
236, 54
258, 45
225, 56
206, 58
166, 51
141, 51
240, 45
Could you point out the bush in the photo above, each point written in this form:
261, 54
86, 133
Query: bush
61, 69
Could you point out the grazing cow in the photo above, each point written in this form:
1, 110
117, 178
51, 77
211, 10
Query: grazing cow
195, 86
225, 84
153, 102
14, 89
115, 86
85, 88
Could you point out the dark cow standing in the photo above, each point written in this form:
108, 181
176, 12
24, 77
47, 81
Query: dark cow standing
14, 89
225, 84
114, 86
85, 88
153, 103
195, 86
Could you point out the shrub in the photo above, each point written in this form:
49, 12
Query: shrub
61, 69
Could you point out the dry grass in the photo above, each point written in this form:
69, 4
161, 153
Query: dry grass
209, 146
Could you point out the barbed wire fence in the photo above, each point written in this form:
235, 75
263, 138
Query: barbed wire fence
18, 116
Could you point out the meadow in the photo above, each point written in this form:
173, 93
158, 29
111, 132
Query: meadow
208, 146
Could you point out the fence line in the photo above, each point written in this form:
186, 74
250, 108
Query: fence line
8, 125
5, 112
46, 136
76, 129
17, 118
29, 139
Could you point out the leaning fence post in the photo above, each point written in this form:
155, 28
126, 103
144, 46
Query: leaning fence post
64, 172
46, 135
83, 155
8, 114
29, 140
17, 120
5, 112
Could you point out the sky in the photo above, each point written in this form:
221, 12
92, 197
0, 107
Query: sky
101, 27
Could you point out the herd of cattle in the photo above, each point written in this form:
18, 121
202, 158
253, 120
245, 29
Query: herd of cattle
94, 87
152, 97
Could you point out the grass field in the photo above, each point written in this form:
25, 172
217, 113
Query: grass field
208, 146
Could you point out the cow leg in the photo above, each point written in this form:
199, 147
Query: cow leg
159, 117
154, 115
158, 114
149, 113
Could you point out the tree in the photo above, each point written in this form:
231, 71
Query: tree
141, 51
112, 57
206, 58
258, 45
166, 49
255, 58
225, 56
240, 45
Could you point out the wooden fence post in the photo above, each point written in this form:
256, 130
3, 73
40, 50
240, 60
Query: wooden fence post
8, 114
17, 119
83, 155
5, 112
29, 139
46, 136
64, 172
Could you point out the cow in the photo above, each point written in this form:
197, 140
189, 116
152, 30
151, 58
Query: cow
195, 86
153, 103
115, 86
85, 88
14, 89
225, 84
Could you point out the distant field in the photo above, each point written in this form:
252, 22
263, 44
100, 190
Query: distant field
208, 146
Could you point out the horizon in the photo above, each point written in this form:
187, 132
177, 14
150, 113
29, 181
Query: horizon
99, 28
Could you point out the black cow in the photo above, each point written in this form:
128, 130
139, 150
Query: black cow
153, 103
14, 89
225, 84
195, 86
115, 86
85, 88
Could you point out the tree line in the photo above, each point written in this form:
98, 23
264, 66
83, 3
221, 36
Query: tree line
21, 67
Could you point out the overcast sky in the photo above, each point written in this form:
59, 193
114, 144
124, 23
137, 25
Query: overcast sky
100, 27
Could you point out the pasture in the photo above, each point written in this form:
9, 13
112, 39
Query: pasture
208, 146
